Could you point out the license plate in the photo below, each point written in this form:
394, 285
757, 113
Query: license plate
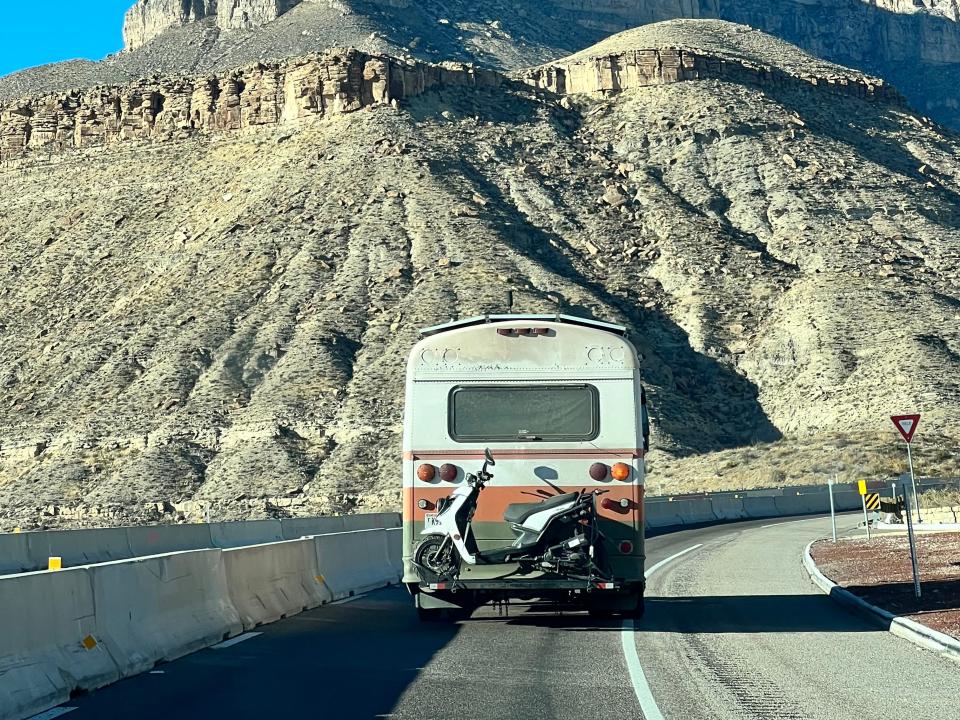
430, 520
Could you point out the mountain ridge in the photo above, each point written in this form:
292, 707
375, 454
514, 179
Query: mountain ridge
215, 324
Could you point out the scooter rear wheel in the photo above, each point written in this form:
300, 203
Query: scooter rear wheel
437, 556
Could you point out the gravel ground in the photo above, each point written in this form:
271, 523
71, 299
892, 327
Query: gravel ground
879, 571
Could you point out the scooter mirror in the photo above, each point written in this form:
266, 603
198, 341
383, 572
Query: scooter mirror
489, 457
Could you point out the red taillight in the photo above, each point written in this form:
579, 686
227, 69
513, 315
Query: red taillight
448, 472
626, 547
426, 472
598, 471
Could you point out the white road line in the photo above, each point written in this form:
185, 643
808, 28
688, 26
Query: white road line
55, 713
640, 685
660, 564
788, 522
235, 641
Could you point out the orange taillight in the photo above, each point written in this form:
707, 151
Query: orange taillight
620, 471
426, 472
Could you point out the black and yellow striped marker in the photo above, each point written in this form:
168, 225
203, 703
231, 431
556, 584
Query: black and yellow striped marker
873, 501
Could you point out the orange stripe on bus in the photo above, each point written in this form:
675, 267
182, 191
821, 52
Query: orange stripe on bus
494, 501
534, 454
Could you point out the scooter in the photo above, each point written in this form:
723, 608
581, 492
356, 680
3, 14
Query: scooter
559, 534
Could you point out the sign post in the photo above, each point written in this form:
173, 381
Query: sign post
907, 425
862, 486
913, 544
833, 515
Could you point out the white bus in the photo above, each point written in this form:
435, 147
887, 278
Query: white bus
555, 402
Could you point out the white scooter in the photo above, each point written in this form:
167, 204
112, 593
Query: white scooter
559, 534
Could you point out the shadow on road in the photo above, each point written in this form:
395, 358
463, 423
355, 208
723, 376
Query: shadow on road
347, 661
712, 614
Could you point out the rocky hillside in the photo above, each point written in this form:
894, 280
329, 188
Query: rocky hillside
211, 283
913, 44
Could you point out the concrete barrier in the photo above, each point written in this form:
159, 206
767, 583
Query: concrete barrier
296, 528
697, 511
354, 562
663, 514
162, 607
160, 539
760, 507
372, 521
250, 532
394, 537
14, 557
728, 508
77, 547
50, 644
271, 581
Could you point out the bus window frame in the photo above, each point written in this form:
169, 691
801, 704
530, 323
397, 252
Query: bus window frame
595, 414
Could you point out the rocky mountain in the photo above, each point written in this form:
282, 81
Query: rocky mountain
915, 45
211, 282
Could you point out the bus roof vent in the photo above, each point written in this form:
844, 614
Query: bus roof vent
484, 319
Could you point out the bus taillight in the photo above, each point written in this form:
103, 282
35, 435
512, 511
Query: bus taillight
598, 471
426, 472
620, 471
448, 472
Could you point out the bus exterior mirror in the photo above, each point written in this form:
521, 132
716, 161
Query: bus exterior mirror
488, 456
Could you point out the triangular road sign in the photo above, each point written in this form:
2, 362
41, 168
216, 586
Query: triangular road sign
906, 424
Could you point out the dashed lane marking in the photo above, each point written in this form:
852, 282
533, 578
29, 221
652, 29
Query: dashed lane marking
55, 713
648, 706
236, 641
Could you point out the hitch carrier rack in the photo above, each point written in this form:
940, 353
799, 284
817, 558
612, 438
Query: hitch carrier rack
587, 585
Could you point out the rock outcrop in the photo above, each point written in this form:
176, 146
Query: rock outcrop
149, 18
642, 68
266, 94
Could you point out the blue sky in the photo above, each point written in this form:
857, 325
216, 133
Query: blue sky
33, 33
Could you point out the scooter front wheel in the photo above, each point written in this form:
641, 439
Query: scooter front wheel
438, 555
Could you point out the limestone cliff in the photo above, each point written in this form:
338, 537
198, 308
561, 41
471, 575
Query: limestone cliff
266, 94
913, 44
149, 18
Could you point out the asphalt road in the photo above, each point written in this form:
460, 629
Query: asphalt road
734, 630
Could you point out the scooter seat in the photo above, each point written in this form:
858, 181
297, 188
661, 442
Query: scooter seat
518, 512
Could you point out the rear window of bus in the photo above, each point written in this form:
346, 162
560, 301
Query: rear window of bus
525, 413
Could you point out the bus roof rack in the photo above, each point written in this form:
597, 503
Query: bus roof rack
484, 319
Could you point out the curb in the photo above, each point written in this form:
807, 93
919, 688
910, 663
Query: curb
905, 628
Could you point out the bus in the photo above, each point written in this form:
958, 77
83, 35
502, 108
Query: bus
523, 465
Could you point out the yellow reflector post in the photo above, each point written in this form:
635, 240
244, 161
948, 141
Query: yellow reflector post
320, 578
89, 642
17, 529
55, 563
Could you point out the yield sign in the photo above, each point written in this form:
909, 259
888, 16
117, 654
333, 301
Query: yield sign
906, 424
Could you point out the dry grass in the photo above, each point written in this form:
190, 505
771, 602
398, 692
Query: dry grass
803, 461
940, 498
